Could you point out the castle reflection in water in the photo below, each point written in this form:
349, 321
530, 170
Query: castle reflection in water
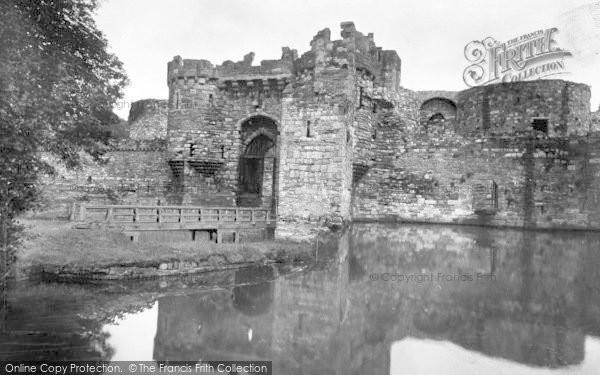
538, 308
343, 314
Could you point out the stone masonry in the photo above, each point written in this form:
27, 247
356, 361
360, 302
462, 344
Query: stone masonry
331, 136
148, 119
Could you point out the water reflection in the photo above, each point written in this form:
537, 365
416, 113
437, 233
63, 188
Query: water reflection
536, 310
217, 324
504, 299
46, 323
414, 356
132, 335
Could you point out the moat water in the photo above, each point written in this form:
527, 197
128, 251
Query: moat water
401, 299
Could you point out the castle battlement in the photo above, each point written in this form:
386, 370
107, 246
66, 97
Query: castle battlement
330, 135
186, 69
355, 53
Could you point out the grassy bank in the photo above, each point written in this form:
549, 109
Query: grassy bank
56, 244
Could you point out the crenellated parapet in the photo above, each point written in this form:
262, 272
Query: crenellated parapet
356, 52
315, 134
353, 66
185, 69
231, 79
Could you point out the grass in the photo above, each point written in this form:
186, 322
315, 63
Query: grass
56, 243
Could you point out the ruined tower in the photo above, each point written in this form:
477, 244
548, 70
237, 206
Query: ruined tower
281, 134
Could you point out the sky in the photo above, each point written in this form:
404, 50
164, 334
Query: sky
429, 36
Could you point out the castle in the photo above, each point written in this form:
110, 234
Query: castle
331, 136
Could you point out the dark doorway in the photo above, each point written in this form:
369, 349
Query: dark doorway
251, 176
252, 165
540, 124
257, 166
435, 120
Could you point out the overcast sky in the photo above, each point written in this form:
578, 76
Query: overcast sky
428, 35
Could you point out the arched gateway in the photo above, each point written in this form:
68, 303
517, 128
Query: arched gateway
257, 170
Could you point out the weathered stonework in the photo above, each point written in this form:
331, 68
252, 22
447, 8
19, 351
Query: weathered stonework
330, 136
305, 105
595, 127
523, 183
148, 119
508, 108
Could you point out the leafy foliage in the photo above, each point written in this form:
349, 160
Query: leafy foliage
58, 84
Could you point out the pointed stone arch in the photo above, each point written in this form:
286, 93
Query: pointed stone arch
258, 163
258, 118
257, 133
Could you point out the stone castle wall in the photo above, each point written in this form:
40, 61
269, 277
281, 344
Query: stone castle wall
506, 173
148, 119
508, 108
130, 173
525, 183
340, 139
208, 106
311, 99
595, 127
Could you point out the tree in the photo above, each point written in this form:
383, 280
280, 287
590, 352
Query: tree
58, 85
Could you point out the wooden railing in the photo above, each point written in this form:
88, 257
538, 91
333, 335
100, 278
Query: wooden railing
173, 214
